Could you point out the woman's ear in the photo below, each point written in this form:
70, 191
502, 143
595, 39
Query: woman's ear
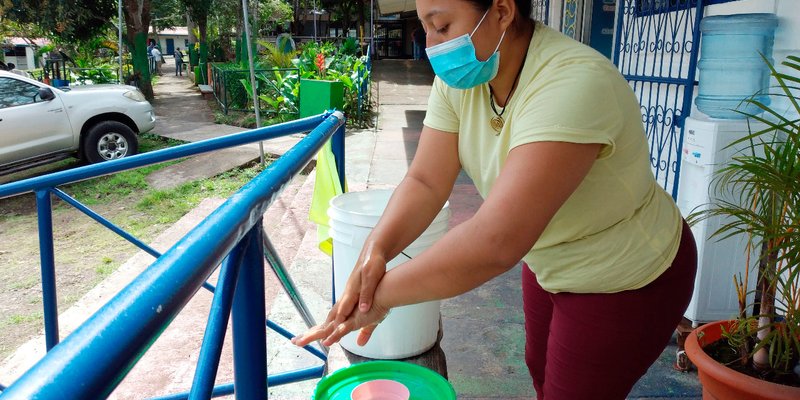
507, 11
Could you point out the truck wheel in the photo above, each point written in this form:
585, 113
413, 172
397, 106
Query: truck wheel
109, 140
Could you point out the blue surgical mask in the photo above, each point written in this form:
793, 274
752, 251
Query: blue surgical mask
456, 63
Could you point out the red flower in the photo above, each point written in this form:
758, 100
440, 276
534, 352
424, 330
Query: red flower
320, 62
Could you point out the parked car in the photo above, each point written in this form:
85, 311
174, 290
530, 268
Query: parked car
40, 123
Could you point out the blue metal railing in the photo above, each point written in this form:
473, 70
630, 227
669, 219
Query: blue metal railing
94, 359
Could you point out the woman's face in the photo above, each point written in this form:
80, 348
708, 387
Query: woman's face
444, 20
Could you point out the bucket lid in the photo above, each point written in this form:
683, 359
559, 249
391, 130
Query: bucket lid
741, 24
365, 208
423, 383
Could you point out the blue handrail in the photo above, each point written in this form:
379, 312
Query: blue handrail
43, 186
91, 361
154, 157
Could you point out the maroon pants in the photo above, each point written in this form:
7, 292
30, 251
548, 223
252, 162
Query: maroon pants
597, 346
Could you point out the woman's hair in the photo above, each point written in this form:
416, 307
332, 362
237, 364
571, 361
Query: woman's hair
523, 6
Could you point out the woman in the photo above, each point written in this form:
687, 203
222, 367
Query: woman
551, 134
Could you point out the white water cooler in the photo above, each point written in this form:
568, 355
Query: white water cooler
705, 151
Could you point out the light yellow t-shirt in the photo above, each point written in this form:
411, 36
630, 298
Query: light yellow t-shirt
619, 230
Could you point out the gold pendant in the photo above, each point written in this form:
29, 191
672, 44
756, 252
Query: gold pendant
497, 124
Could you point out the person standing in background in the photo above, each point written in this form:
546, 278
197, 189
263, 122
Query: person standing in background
178, 62
158, 59
151, 60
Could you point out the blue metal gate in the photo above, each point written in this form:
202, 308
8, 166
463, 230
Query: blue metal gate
656, 47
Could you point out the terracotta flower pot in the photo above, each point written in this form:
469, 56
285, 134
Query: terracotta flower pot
722, 383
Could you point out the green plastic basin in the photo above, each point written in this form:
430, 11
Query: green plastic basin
423, 383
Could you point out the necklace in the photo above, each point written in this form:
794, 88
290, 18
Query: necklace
497, 121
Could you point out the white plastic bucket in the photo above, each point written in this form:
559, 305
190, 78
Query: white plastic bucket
409, 330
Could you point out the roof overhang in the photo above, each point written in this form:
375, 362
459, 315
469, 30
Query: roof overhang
386, 7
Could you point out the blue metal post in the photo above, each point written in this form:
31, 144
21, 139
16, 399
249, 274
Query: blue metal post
108, 224
289, 335
208, 361
47, 257
337, 146
286, 281
249, 313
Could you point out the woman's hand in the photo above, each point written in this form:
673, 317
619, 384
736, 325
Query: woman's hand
360, 288
331, 331
355, 308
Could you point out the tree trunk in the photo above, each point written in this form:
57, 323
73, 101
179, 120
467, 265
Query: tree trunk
361, 20
137, 23
203, 56
296, 26
155, 37
767, 284
240, 50
190, 26
346, 21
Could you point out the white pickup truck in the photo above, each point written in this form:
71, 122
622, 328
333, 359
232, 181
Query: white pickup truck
41, 124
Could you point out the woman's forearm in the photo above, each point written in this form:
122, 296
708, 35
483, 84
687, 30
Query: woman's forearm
521, 204
462, 260
410, 211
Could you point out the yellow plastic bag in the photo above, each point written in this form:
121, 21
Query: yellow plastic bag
326, 187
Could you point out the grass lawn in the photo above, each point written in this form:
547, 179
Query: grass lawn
86, 252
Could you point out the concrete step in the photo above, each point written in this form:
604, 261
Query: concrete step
294, 223
202, 166
275, 212
273, 219
311, 273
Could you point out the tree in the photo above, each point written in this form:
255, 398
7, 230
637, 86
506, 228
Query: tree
27, 32
166, 14
68, 20
273, 13
300, 7
342, 11
137, 23
198, 11
225, 25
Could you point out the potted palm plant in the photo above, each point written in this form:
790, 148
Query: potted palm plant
757, 354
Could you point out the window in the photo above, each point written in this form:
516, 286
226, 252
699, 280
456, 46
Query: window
14, 92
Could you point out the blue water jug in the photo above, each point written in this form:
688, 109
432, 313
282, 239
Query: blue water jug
731, 67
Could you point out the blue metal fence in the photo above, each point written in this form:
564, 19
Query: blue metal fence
657, 43
94, 359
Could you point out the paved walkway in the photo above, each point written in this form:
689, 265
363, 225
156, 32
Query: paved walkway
184, 115
483, 329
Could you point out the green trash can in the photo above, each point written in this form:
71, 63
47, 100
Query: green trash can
200, 74
318, 96
198, 77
